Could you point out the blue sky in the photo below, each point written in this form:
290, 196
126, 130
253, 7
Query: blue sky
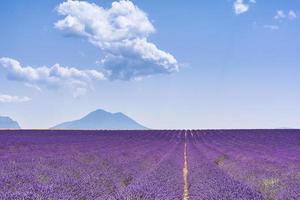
215, 64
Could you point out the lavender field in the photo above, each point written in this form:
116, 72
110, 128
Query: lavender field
153, 164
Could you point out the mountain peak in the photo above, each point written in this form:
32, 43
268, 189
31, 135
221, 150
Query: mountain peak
101, 119
8, 123
99, 111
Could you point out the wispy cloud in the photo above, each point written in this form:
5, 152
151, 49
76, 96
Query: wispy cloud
55, 76
121, 34
5, 98
292, 14
272, 27
280, 15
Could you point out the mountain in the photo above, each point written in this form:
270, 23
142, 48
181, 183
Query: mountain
100, 119
8, 123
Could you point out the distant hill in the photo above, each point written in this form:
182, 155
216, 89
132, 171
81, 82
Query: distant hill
8, 123
100, 119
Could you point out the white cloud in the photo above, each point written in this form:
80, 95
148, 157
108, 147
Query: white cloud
240, 7
121, 34
292, 15
280, 14
5, 98
55, 76
272, 27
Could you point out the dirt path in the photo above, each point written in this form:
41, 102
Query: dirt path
185, 172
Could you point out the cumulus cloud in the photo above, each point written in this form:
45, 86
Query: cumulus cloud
121, 34
55, 76
5, 98
240, 7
